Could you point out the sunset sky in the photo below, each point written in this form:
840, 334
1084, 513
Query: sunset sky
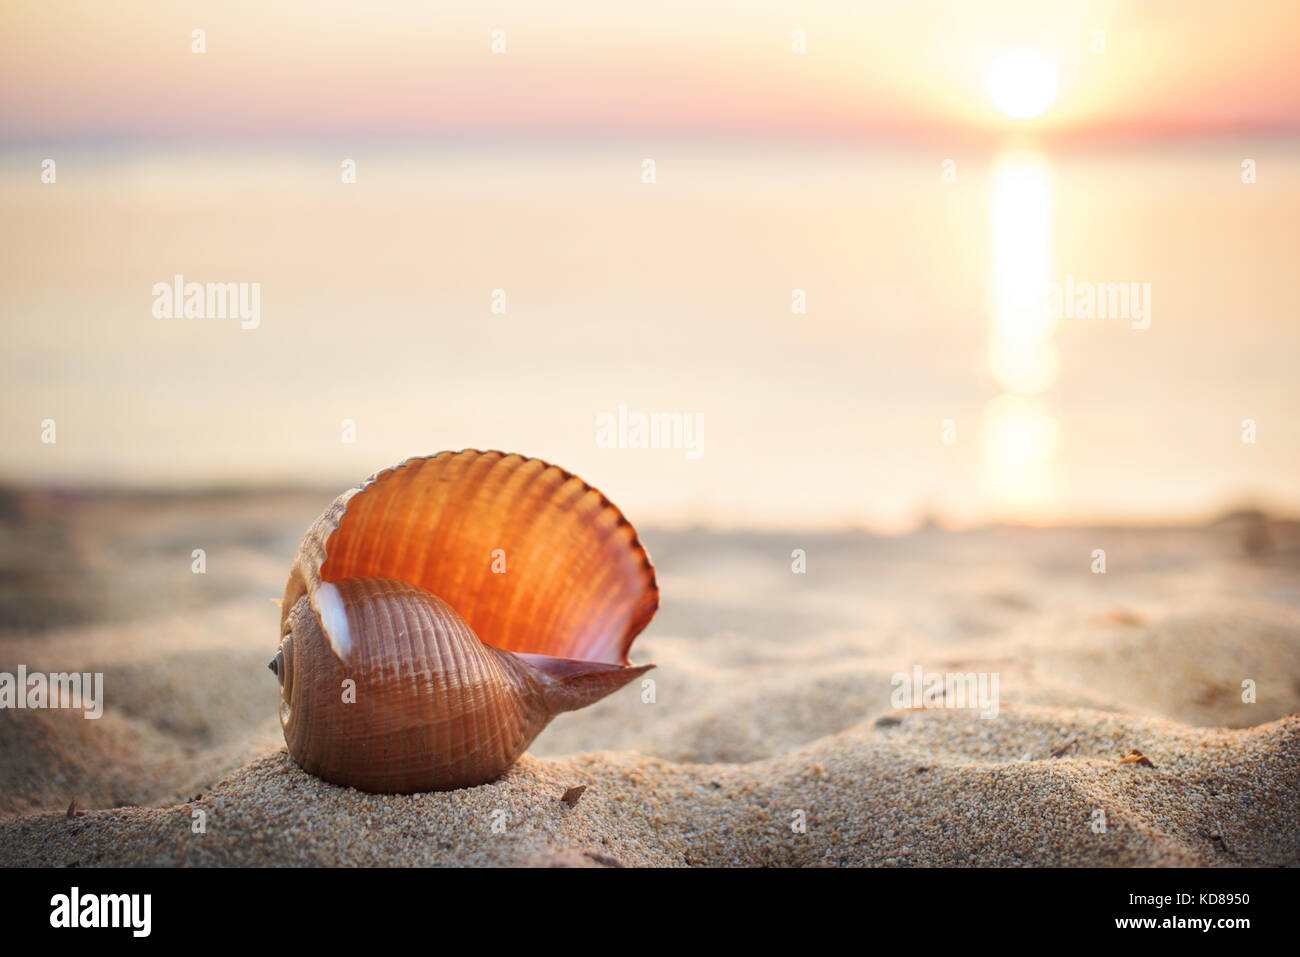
911, 69
921, 177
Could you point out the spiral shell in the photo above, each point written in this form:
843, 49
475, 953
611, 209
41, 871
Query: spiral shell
439, 615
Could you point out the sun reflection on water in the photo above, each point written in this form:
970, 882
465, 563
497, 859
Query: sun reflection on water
1020, 437
1021, 355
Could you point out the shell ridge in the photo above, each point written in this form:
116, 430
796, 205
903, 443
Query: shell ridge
472, 669
601, 640
433, 493
604, 640
440, 739
376, 518
539, 520
518, 491
461, 503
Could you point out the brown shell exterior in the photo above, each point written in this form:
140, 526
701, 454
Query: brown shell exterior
578, 583
432, 706
411, 553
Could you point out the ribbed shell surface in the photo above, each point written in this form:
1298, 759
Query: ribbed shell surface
417, 593
576, 582
433, 707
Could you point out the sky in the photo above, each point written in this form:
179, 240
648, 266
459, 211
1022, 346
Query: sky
838, 267
904, 69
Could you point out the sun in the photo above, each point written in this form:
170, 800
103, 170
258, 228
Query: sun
1022, 83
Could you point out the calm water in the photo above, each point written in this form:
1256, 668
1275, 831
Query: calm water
925, 377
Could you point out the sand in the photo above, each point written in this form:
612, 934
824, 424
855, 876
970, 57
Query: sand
772, 738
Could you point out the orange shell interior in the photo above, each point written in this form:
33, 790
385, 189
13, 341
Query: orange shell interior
577, 582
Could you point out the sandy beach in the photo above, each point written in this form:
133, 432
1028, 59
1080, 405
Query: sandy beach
773, 737
942, 356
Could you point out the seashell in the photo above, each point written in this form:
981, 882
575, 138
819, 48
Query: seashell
438, 617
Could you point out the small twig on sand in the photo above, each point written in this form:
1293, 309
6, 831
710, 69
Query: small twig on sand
1057, 752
